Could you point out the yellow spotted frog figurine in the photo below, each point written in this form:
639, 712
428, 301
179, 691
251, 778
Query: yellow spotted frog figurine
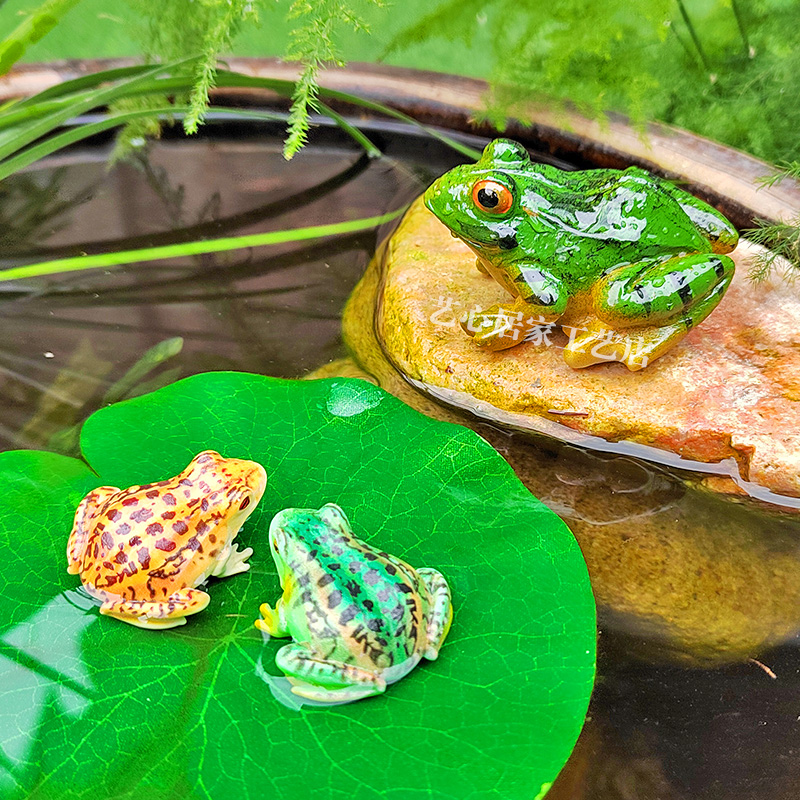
143, 551
360, 618
626, 263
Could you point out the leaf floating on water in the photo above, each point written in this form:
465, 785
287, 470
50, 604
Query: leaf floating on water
110, 710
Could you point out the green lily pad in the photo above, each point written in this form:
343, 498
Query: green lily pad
90, 707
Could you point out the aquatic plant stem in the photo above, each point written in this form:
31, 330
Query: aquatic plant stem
108, 260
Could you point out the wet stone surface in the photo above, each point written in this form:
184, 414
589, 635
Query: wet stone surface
727, 395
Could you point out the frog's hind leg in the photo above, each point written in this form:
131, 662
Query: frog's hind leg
661, 292
326, 680
79, 536
440, 612
644, 309
159, 615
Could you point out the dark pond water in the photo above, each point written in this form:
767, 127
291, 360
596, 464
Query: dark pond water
661, 727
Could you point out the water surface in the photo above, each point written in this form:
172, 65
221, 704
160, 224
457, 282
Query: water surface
660, 726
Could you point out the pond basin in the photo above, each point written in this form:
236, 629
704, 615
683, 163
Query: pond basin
699, 596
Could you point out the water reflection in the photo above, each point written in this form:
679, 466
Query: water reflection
679, 574
33, 207
68, 339
346, 400
41, 666
281, 689
637, 491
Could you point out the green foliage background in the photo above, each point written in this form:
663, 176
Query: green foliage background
728, 69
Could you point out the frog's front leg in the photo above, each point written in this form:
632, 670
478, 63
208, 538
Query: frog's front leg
539, 299
84, 514
440, 613
326, 680
273, 620
167, 613
232, 562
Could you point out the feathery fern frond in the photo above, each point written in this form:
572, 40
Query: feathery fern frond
313, 45
781, 240
786, 169
228, 17
173, 29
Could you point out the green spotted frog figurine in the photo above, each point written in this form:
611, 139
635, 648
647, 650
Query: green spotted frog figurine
360, 618
626, 263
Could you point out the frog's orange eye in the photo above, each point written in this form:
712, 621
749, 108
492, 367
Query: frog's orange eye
244, 504
492, 197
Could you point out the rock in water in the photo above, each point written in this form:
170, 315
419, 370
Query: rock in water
726, 398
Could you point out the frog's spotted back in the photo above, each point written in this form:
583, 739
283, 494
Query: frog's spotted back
143, 550
360, 616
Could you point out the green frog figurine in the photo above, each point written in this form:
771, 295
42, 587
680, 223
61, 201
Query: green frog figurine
360, 618
625, 262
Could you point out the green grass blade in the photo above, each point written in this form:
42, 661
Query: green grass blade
55, 108
90, 81
20, 114
464, 149
30, 30
73, 135
107, 260
39, 105
13, 140
370, 148
285, 88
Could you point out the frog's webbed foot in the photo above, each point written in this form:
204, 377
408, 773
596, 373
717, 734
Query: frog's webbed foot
440, 615
502, 326
235, 563
158, 615
79, 536
271, 620
326, 680
634, 347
